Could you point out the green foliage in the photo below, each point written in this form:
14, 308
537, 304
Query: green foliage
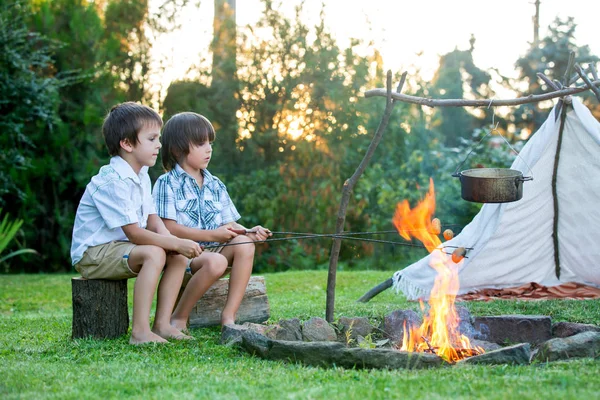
8, 231
457, 71
296, 198
28, 96
550, 57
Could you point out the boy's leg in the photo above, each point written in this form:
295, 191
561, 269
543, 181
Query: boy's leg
148, 262
168, 289
241, 258
206, 269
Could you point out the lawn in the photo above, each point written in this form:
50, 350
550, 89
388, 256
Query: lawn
39, 360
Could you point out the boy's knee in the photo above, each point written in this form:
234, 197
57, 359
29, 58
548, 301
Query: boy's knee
155, 254
248, 247
217, 266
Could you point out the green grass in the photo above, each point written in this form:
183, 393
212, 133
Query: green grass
39, 360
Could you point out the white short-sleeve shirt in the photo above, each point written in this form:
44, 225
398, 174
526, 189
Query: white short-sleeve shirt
113, 198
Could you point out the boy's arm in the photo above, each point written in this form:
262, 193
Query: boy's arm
257, 233
221, 234
141, 236
155, 224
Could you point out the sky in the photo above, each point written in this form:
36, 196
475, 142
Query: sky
400, 29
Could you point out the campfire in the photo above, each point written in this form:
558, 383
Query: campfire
439, 333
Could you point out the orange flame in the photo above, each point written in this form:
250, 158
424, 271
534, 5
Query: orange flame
439, 331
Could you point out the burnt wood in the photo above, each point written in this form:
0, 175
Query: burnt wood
99, 308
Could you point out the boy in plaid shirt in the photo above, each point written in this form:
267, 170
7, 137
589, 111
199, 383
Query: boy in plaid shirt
195, 205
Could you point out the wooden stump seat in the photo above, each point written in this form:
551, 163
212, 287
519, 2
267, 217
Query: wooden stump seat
100, 307
254, 307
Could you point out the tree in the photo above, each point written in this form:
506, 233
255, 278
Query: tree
455, 72
550, 57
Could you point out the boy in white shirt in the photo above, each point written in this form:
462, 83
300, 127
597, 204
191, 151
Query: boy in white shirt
117, 234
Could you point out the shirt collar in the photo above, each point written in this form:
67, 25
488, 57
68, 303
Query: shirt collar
125, 171
180, 173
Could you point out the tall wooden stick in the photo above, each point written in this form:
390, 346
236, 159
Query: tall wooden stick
563, 118
347, 190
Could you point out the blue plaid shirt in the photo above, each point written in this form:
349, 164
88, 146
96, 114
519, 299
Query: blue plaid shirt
178, 197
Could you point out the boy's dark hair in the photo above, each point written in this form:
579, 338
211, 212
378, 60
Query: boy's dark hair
124, 121
181, 131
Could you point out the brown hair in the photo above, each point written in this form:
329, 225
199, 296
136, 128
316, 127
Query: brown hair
181, 131
124, 121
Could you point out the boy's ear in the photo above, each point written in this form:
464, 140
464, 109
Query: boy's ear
126, 145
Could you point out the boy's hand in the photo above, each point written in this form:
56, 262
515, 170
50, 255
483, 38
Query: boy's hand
259, 234
223, 234
188, 248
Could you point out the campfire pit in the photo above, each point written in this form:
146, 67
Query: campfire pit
538, 340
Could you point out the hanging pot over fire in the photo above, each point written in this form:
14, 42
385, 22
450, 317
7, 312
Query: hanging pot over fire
492, 185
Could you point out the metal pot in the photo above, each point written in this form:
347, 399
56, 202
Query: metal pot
492, 185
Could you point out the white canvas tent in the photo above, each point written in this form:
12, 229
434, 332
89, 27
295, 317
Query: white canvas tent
513, 242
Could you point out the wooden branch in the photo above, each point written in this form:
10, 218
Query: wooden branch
567, 77
587, 81
347, 190
593, 71
548, 81
480, 103
563, 117
376, 290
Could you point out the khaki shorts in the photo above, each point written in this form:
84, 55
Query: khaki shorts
107, 261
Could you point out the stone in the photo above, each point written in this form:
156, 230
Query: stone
581, 345
465, 326
519, 354
330, 354
485, 345
256, 344
318, 330
269, 331
505, 329
290, 330
231, 334
393, 323
358, 326
566, 329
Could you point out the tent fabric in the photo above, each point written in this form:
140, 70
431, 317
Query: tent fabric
512, 242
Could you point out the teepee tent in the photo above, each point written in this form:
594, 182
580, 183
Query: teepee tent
521, 242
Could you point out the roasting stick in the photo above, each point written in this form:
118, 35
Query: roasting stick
347, 235
317, 235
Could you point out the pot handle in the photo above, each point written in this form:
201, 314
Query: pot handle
457, 174
525, 178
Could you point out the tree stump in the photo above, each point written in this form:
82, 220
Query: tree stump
99, 308
254, 308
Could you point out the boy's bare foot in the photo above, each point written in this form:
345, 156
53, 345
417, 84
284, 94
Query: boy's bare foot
227, 321
147, 337
170, 332
180, 325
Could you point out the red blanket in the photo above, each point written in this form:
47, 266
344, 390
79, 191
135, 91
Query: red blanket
535, 291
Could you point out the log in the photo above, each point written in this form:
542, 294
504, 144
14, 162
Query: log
376, 290
99, 308
254, 308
